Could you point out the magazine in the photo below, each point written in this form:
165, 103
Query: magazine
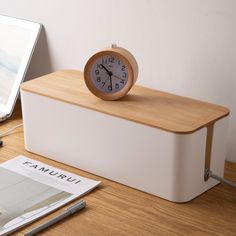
30, 189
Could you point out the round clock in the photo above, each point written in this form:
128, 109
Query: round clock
111, 73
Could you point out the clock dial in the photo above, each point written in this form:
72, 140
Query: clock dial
109, 74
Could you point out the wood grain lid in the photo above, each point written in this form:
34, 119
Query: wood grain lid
142, 105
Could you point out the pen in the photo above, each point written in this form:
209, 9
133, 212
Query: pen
69, 211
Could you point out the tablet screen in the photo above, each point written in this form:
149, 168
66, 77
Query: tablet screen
17, 39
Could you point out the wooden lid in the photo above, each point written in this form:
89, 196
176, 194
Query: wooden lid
142, 105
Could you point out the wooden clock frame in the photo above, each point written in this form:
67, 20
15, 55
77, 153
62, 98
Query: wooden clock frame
127, 58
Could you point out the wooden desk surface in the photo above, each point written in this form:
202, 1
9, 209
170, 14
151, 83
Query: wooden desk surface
114, 209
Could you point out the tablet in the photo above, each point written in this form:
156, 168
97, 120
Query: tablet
17, 42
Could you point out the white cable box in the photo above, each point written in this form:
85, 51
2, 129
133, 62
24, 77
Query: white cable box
153, 141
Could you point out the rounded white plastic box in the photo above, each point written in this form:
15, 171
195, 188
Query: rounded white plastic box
164, 163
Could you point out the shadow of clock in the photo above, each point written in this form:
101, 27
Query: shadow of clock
148, 102
133, 98
139, 96
146, 98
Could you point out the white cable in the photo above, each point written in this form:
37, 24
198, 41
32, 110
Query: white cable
10, 130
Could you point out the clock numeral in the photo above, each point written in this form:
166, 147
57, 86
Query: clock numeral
98, 79
123, 68
97, 72
103, 83
124, 75
111, 59
122, 81
104, 61
117, 86
109, 87
99, 66
119, 62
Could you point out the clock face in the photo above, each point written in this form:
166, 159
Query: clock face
109, 74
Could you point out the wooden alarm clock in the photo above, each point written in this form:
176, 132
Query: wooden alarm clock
110, 73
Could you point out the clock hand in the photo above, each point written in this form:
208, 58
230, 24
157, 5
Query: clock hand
117, 77
110, 82
109, 72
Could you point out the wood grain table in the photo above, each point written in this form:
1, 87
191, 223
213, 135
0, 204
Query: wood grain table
115, 209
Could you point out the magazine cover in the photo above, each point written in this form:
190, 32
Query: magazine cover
30, 189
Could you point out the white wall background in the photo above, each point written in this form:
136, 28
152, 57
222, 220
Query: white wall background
187, 47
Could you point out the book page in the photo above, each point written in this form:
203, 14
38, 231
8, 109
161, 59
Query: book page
30, 189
